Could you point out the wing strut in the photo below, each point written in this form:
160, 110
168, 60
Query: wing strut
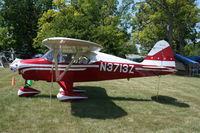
60, 76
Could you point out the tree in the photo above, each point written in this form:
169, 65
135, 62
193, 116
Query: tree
126, 13
192, 50
97, 21
22, 16
172, 20
6, 40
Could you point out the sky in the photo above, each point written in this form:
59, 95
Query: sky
198, 3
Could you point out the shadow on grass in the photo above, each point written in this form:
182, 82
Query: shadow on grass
169, 100
129, 99
99, 105
43, 96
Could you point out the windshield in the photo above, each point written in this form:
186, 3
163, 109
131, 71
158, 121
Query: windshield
48, 56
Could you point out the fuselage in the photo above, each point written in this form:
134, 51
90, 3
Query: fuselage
72, 60
100, 66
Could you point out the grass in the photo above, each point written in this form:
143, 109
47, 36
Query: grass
117, 106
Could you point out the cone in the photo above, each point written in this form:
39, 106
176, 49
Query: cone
13, 81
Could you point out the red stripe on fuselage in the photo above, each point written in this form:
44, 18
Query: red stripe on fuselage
105, 71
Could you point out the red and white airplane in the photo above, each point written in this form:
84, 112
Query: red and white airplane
72, 60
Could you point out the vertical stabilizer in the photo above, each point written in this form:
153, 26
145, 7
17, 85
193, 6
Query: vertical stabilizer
160, 55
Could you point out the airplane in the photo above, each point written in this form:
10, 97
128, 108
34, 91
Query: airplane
72, 60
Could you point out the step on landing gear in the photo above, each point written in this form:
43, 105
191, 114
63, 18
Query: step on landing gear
67, 92
27, 91
76, 90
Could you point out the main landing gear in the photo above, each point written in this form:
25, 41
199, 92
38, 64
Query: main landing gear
69, 93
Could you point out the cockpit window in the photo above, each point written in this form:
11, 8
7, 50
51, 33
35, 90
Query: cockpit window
66, 58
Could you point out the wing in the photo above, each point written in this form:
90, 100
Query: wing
70, 45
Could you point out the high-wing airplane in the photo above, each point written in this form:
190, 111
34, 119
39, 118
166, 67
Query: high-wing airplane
72, 60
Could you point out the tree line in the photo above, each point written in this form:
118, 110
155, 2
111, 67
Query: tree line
116, 25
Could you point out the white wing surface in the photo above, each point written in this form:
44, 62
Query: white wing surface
70, 45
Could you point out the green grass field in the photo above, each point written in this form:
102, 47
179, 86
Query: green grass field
117, 106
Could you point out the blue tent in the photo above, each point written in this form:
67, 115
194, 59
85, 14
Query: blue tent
183, 59
195, 58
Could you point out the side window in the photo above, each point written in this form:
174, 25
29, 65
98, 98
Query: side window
83, 60
66, 58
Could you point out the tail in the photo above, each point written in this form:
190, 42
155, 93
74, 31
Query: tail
160, 55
